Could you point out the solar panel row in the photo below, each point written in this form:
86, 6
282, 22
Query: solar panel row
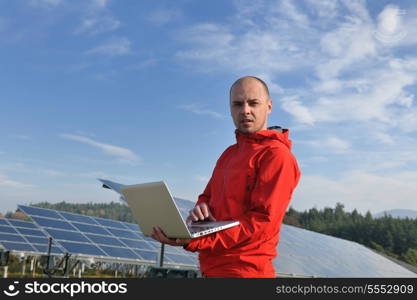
98, 237
25, 236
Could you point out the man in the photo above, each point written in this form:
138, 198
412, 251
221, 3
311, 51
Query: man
252, 182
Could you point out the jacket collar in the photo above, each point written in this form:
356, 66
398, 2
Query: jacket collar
277, 133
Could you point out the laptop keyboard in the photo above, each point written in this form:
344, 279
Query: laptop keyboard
199, 228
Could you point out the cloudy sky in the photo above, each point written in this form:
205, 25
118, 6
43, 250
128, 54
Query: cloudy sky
137, 91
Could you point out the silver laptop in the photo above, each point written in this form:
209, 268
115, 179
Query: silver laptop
152, 205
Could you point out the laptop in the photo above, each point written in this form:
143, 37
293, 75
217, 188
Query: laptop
152, 205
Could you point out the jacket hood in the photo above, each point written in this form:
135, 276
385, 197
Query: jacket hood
272, 133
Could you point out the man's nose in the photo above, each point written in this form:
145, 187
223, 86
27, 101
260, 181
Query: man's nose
245, 109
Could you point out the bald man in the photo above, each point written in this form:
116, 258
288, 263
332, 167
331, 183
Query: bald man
252, 182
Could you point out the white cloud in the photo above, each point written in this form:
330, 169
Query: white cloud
300, 112
288, 9
98, 24
351, 42
101, 4
6, 182
201, 110
23, 137
390, 29
51, 173
330, 144
324, 8
384, 138
164, 16
338, 145
122, 154
94, 174
376, 95
202, 179
114, 47
267, 44
361, 190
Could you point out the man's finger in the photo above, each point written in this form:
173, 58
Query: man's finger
204, 210
197, 211
193, 215
161, 236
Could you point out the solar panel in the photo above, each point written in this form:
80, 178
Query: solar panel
110, 223
307, 253
65, 235
17, 246
7, 229
11, 238
16, 235
82, 248
138, 244
78, 218
147, 255
26, 231
119, 252
52, 223
102, 238
35, 211
91, 228
24, 224
123, 233
44, 249
37, 240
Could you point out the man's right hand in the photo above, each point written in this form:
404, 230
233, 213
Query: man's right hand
200, 212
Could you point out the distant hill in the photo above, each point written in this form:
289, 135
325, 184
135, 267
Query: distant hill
398, 213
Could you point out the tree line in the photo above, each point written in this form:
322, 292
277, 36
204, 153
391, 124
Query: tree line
392, 236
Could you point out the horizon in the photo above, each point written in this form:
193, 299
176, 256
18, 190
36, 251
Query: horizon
137, 91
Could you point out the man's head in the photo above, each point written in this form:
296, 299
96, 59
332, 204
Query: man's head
250, 104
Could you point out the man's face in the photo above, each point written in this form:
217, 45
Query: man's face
250, 106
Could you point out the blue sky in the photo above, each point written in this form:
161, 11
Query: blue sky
136, 91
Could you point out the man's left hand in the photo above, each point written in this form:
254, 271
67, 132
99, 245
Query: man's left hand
159, 235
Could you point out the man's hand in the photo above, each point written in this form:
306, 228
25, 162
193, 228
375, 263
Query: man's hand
159, 235
200, 212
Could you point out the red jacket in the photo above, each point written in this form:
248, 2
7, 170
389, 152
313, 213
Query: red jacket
252, 182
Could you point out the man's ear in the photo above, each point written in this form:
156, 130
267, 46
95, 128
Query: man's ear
269, 105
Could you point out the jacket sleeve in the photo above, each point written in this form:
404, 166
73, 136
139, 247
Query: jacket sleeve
278, 175
205, 196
